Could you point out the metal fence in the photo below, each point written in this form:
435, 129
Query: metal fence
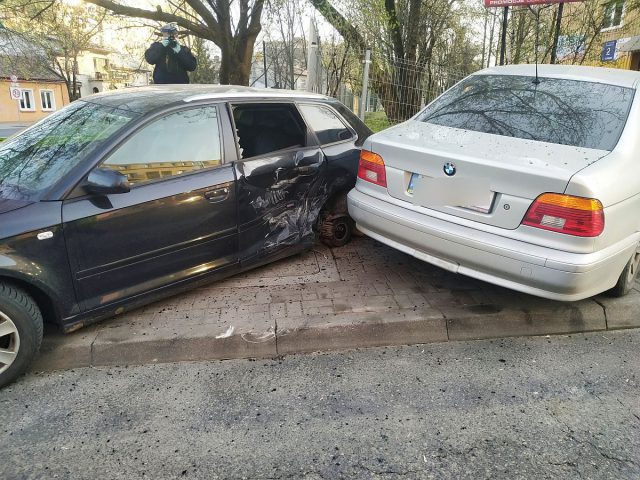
385, 88
401, 88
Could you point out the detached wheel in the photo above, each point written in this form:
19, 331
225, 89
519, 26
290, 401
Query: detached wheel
336, 231
20, 332
628, 276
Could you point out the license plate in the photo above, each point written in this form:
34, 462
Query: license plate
469, 193
412, 181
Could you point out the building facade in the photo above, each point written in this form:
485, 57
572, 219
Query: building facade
38, 98
620, 35
616, 43
100, 69
29, 88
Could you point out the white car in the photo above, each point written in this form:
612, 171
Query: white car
531, 183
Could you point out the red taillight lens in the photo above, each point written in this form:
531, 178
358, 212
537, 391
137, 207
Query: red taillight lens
582, 217
371, 168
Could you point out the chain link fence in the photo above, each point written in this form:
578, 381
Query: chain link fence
397, 88
401, 88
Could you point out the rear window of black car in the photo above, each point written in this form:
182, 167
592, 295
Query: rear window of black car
566, 112
327, 125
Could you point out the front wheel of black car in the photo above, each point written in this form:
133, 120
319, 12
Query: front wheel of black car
20, 332
628, 276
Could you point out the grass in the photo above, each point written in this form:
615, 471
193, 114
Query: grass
376, 121
2, 139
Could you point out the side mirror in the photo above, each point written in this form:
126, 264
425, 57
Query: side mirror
102, 181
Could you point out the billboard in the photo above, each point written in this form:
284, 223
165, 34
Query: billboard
518, 3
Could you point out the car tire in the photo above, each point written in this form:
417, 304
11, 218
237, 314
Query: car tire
20, 332
336, 231
628, 276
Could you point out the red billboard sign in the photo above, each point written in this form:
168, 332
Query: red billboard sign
519, 3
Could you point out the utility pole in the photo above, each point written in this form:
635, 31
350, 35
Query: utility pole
556, 36
503, 41
312, 58
264, 63
492, 31
484, 35
365, 85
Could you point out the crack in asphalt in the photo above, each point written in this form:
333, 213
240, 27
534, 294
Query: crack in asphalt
570, 434
628, 408
395, 473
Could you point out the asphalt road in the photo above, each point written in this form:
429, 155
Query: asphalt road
559, 407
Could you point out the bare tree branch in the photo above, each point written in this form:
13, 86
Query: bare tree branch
199, 29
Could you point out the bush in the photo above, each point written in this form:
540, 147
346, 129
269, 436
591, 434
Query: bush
376, 121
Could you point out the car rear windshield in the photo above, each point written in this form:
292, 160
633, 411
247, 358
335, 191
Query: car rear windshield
567, 112
36, 159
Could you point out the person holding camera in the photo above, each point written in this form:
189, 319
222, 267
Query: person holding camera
172, 61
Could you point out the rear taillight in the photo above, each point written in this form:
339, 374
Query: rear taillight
371, 168
582, 217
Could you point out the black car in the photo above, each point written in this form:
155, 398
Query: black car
122, 198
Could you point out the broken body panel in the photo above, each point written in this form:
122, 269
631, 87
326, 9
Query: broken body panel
111, 253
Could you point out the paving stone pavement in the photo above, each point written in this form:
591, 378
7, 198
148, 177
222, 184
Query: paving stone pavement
363, 294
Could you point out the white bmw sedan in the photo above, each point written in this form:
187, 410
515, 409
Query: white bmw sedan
531, 183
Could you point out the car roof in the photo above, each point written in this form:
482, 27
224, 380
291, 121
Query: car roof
148, 98
612, 76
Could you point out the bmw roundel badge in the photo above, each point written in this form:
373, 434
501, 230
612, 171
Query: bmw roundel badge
449, 169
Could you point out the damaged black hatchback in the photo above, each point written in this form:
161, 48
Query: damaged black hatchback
122, 198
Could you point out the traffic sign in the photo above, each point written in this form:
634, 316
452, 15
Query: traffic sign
16, 93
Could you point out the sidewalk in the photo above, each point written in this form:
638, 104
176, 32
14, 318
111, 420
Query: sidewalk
364, 294
9, 128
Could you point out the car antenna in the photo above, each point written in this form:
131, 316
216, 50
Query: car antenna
537, 80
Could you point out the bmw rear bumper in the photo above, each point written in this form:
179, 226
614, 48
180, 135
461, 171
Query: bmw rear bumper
496, 259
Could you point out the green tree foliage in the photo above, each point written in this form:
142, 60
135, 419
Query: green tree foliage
208, 70
580, 30
60, 31
410, 39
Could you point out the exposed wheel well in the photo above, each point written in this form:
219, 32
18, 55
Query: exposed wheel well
44, 302
336, 203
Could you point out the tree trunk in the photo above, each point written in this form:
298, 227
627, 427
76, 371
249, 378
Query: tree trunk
235, 68
213, 22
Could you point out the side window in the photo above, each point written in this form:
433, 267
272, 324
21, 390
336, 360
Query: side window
178, 143
47, 100
328, 127
26, 100
613, 14
265, 128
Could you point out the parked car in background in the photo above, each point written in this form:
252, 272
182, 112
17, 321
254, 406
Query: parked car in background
526, 182
122, 198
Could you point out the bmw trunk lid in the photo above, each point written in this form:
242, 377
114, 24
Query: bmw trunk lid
507, 173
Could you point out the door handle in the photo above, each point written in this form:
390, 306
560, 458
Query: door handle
217, 194
310, 161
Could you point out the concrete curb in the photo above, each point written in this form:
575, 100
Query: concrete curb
361, 295
101, 346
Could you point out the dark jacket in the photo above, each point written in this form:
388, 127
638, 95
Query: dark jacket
171, 67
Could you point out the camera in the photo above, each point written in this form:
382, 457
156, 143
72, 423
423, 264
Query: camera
171, 29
